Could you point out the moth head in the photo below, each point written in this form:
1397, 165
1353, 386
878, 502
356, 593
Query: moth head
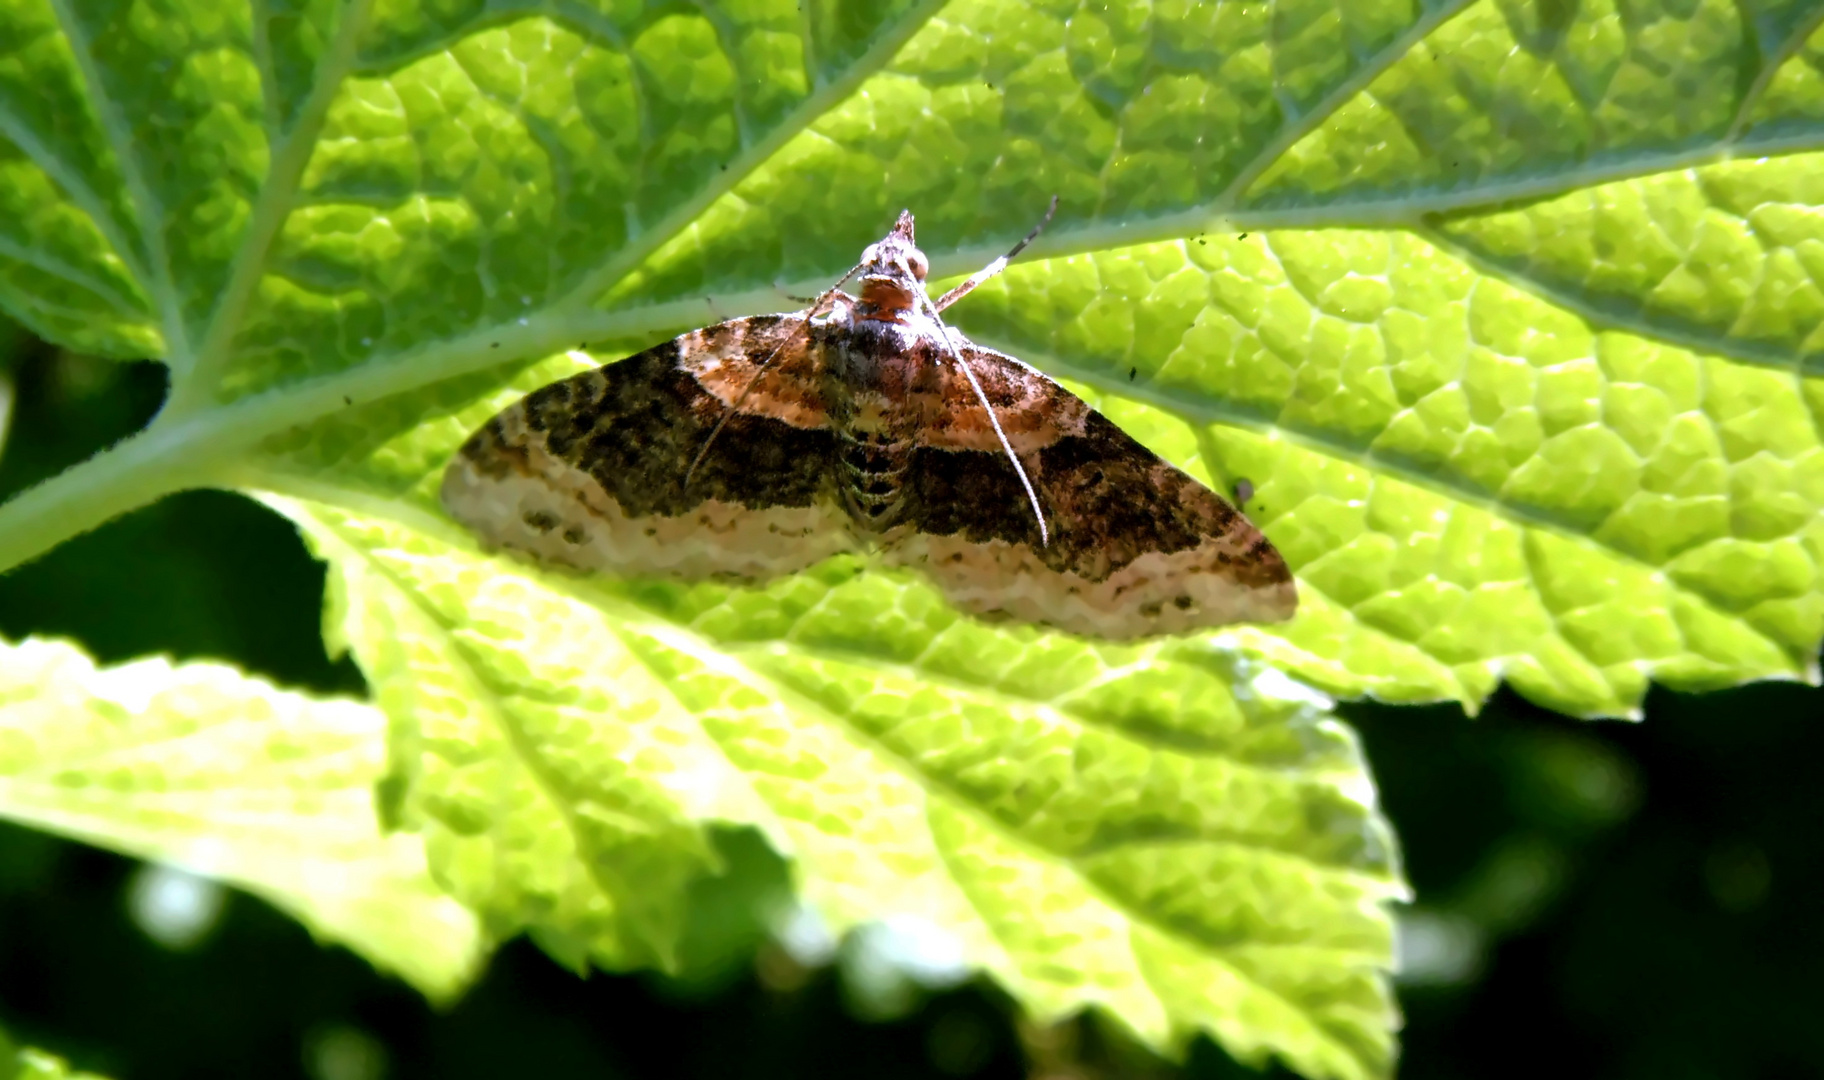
893, 257
893, 270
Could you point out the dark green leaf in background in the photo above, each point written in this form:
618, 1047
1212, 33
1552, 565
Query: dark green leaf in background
30, 1063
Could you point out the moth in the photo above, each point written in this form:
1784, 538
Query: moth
756, 447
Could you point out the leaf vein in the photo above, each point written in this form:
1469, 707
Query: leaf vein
158, 283
1344, 91
1771, 63
1609, 318
62, 271
194, 388
79, 191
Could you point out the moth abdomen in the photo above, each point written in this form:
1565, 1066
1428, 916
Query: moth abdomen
872, 471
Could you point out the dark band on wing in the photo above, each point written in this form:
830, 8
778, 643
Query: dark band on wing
1108, 499
636, 426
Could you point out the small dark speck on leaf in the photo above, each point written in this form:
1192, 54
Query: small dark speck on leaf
1200, 240
346, 400
1132, 373
1244, 489
494, 345
1243, 236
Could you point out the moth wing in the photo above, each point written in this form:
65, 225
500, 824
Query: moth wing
588, 472
1136, 546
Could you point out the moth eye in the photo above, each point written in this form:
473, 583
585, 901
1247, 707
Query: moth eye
919, 266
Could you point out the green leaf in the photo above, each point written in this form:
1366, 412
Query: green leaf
1168, 830
1508, 312
199, 766
1521, 363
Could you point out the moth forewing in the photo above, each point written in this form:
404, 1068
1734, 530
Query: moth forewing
756, 447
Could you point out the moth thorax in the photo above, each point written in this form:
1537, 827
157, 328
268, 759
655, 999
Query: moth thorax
871, 472
886, 299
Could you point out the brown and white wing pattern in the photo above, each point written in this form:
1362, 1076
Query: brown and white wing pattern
588, 472
1137, 547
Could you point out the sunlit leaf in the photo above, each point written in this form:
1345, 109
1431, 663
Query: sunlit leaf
200, 767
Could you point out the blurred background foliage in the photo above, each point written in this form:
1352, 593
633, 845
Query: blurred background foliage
1595, 899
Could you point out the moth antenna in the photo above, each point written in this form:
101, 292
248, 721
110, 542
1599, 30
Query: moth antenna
981, 396
999, 264
804, 323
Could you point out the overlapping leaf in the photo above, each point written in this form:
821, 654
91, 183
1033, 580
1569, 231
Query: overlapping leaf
1509, 314
199, 766
1168, 830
